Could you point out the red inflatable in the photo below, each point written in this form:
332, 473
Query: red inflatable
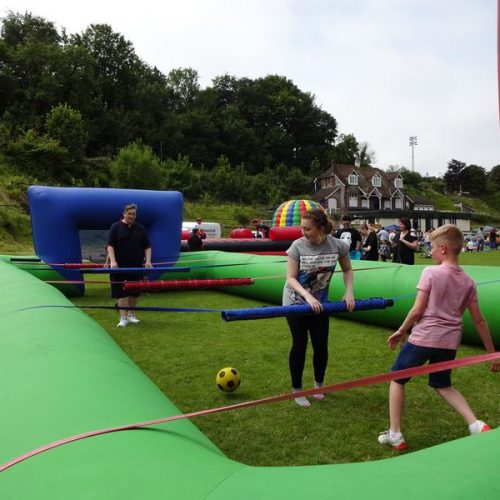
288, 233
241, 232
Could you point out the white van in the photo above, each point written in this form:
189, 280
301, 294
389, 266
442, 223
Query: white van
212, 229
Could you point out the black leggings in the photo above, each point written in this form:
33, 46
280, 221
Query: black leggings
317, 325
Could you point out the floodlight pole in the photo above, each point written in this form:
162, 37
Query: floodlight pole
413, 143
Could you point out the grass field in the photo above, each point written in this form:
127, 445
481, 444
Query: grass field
182, 352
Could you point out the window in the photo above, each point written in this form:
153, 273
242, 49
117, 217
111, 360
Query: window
353, 200
398, 182
387, 204
353, 180
398, 203
376, 181
365, 203
332, 204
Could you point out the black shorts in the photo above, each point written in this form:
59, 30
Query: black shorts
117, 279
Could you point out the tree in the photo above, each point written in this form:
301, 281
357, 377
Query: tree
473, 180
365, 157
411, 179
22, 29
452, 178
29, 86
40, 157
346, 149
494, 177
117, 72
296, 183
136, 167
226, 183
66, 126
184, 85
179, 175
289, 127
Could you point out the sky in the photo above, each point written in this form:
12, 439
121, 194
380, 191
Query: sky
385, 69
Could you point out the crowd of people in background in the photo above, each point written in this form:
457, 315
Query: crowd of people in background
482, 239
400, 245
387, 244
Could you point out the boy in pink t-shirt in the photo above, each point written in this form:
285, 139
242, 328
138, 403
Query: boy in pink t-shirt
444, 293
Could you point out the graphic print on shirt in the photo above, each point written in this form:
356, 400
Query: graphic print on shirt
347, 237
315, 273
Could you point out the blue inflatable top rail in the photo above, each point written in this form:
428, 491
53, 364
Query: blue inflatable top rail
140, 270
297, 310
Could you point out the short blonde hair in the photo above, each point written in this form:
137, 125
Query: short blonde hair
450, 234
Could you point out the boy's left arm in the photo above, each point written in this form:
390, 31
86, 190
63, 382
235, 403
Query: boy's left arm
484, 332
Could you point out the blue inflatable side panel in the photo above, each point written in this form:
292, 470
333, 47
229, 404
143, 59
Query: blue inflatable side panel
58, 214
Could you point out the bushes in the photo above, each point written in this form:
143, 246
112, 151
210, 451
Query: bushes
137, 167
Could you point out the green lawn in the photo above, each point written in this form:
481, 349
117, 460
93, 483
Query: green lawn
486, 258
182, 352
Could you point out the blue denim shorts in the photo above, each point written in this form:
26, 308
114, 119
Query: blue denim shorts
413, 355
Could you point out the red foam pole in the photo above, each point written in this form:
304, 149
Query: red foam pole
185, 284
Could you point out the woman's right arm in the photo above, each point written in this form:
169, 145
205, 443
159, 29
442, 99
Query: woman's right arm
112, 257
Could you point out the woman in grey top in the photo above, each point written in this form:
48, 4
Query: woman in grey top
311, 263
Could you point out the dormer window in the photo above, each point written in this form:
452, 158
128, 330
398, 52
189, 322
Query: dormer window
376, 181
353, 180
398, 182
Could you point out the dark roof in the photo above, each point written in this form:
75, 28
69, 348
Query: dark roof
322, 194
365, 175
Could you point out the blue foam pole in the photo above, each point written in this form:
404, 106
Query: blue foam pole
295, 310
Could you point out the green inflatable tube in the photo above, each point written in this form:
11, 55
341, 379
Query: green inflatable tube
62, 375
371, 279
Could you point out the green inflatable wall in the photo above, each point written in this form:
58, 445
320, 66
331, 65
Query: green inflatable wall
62, 375
371, 279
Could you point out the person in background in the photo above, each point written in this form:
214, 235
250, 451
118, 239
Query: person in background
311, 263
404, 244
444, 292
427, 242
194, 241
384, 250
349, 234
370, 245
383, 234
261, 229
493, 239
201, 231
128, 246
480, 240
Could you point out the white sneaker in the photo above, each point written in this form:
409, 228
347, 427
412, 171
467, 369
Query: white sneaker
132, 319
478, 427
397, 444
123, 322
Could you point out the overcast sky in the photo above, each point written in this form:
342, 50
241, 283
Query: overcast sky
385, 69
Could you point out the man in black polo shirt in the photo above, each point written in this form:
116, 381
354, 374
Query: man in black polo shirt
349, 234
128, 246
